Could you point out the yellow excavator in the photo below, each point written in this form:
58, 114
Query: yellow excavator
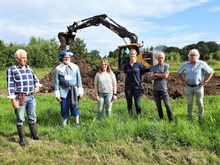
146, 58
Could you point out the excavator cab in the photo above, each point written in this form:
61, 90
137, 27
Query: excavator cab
146, 58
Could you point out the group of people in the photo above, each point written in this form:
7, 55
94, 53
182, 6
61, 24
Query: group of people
22, 84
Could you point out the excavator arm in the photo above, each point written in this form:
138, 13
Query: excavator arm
67, 38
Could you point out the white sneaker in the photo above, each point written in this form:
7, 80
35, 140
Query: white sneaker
64, 122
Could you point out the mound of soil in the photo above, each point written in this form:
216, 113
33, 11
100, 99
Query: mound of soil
88, 71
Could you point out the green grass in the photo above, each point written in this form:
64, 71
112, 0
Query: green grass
116, 137
119, 139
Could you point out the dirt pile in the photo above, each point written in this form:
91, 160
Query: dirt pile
88, 71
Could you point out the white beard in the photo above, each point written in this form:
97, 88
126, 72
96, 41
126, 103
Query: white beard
67, 62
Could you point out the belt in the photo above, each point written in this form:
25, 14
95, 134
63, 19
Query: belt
193, 85
21, 96
25, 94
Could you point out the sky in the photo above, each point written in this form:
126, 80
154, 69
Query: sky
155, 22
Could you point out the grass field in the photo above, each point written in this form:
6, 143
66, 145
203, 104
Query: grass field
116, 140
119, 139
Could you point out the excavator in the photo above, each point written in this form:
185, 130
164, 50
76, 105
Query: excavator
146, 58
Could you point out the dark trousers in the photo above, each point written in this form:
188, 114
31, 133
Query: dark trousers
158, 96
136, 93
67, 108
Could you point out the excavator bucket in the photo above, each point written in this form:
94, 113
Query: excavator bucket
65, 39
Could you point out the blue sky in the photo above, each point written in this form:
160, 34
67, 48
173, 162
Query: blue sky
158, 22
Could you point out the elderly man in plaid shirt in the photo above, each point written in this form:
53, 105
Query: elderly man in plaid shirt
22, 84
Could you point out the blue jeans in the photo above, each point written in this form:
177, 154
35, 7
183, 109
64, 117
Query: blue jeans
199, 93
158, 96
29, 105
136, 93
105, 99
66, 107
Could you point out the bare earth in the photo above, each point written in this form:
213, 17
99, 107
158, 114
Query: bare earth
88, 71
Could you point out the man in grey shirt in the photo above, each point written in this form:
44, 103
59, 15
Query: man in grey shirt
194, 80
159, 73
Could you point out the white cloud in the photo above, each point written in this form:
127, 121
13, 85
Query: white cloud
178, 40
45, 18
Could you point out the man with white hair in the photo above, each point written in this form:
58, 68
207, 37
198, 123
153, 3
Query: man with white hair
159, 73
22, 84
197, 74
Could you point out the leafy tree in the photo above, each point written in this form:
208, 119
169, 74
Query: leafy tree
216, 55
113, 62
113, 54
160, 47
9, 53
213, 46
2, 57
171, 49
42, 52
203, 50
93, 56
151, 48
185, 50
79, 47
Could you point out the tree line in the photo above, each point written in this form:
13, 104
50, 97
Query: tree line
44, 53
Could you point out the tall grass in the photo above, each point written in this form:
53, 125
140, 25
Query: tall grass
181, 132
119, 139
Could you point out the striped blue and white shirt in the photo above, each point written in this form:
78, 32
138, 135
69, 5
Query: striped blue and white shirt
19, 80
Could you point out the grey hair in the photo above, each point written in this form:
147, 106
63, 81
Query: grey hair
195, 52
157, 53
19, 52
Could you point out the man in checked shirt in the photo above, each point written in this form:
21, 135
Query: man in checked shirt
22, 84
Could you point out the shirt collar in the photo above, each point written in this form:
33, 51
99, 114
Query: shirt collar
19, 66
62, 67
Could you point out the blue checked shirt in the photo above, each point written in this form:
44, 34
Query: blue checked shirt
19, 80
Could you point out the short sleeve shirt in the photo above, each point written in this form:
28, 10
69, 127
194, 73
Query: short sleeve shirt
160, 84
134, 73
195, 74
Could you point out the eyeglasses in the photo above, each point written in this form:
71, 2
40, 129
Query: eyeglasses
66, 57
193, 55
